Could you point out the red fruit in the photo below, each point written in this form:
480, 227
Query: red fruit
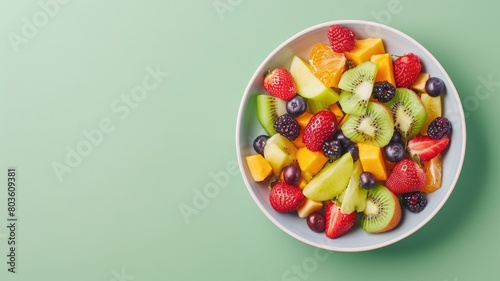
426, 147
337, 223
407, 176
285, 198
341, 38
320, 128
406, 70
280, 83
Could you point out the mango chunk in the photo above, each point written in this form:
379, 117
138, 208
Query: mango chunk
372, 160
298, 141
419, 85
259, 168
309, 206
335, 108
385, 70
364, 49
303, 119
310, 161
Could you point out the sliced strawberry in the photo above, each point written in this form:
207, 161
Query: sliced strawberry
426, 147
337, 223
285, 198
321, 127
280, 83
407, 176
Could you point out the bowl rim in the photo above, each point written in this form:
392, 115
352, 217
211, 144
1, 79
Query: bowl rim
239, 127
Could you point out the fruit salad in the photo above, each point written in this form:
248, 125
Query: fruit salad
354, 136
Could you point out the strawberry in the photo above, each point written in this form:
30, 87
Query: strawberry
341, 38
406, 70
426, 147
321, 127
280, 83
407, 176
337, 223
285, 198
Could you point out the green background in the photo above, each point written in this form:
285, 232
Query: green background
116, 216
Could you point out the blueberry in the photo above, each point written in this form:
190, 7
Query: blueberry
434, 86
367, 180
394, 151
396, 137
259, 143
344, 141
296, 106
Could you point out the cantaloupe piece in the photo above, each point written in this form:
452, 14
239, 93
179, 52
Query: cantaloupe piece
298, 141
335, 108
419, 85
364, 49
372, 160
309, 206
259, 168
303, 119
310, 161
385, 70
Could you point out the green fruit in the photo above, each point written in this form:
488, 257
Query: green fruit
354, 196
357, 85
317, 95
382, 212
408, 112
375, 126
331, 180
269, 108
279, 152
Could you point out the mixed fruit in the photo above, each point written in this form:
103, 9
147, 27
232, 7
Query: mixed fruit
354, 135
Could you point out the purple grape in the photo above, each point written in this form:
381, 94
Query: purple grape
434, 86
291, 174
296, 106
394, 151
259, 143
353, 149
316, 221
344, 141
367, 180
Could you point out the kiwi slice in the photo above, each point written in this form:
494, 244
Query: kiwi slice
269, 108
374, 126
357, 86
408, 112
382, 211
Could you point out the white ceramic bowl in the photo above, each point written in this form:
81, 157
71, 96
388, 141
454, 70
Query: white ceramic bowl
248, 128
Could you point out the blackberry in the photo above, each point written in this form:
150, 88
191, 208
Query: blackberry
332, 149
383, 91
414, 201
287, 126
439, 127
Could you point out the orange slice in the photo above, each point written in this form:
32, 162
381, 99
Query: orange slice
326, 64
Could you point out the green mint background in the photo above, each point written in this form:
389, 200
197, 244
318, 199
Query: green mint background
116, 215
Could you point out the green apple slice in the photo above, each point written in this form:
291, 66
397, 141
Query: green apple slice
279, 152
318, 95
331, 181
354, 196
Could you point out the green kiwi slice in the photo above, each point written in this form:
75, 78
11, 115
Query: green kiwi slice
374, 126
408, 112
382, 211
357, 86
269, 108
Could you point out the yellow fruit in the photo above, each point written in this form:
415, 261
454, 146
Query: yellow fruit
309, 206
433, 174
326, 64
364, 49
433, 107
310, 161
419, 85
303, 119
259, 168
335, 108
385, 70
372, 160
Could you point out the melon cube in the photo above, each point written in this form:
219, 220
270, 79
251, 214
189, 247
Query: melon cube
259, 168
419, 85
364, 49
385, 70
309, 206
310, 161
372, 160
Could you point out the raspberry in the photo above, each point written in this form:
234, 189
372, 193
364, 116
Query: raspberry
439, 127
383, 91
332, 149
287, 126
406, 70
341, 38
414, 201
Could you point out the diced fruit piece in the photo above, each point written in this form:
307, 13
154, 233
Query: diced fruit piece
326, 64
341, 38
385, 68
426, 147
259, 143
307, 176
302, 183
298, 141
407, 176
285, 198
335, 108
311, 161
338, 223
433, 108
406, 69
287, 126
259, 167
304, 119
375, 126
269, 108
291, 174
415, 201
316, 221
320, 128
331, 180
439, 128
346, 117
419, 85
296, 106
357, 86
310, 87
354, 196
308, 207
280, 83
433, 174
279, 152
372, 160
382, 212
383, 91
409, 113
434, 86
364, 49
394, 151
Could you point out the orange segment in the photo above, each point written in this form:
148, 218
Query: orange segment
433, 174
326, 64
